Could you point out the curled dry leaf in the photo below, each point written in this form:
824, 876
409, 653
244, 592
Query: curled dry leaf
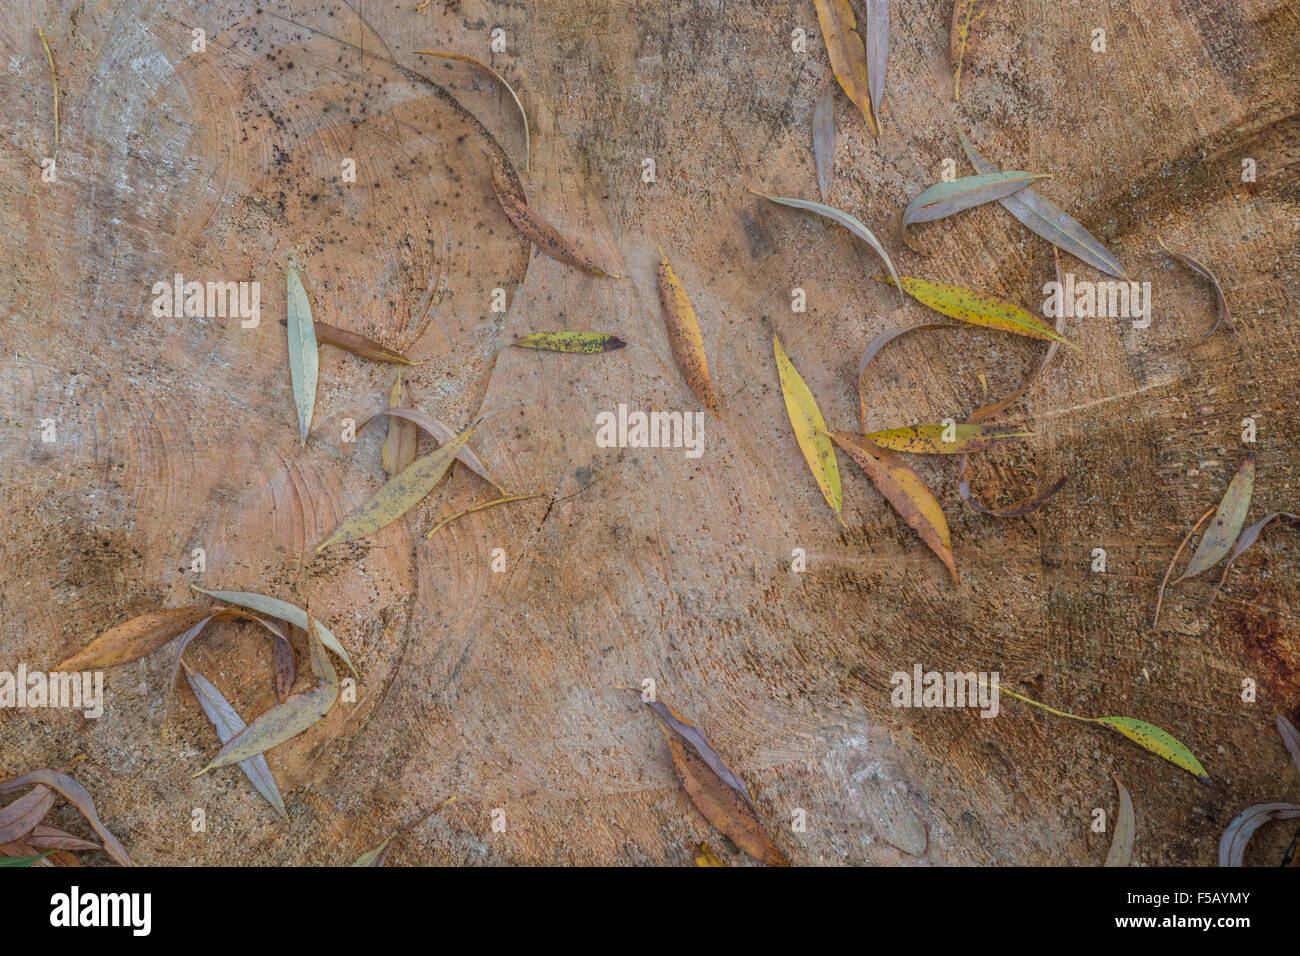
534, 228
684, 334
1204, 271
848, 54
978, 309
135, 638
945, 439
441, 433
852, 223
479, 507
1022, 507
283, 611
877, 43
400, 494
1235, 839
1228, 519
523, 114
809, 430
585, 343
693, 736
823, 136
80, 798
946, 198
304, 359
1250, 536
283, 721
964, 14
48, 838
1160, 595
21, 817
1048, 220
1121, 844
398, 449
360, 345
228, 723
906, 492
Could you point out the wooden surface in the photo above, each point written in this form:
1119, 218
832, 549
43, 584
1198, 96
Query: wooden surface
499, 688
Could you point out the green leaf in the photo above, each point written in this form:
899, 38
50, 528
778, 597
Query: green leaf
1157, 741
809, 430
978, 309
587, 343
944, 199
23, 860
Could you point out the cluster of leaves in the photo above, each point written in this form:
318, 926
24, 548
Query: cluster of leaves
23, 832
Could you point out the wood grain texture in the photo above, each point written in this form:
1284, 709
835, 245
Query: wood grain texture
175, 434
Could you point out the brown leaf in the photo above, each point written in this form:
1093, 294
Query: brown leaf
282, 661
80, 798
1204, 272
684, 334
536, 229
904, 489
21, 817
964, 15
722, 805
48, 838
848, 54
135, 638
358, 344
398, 449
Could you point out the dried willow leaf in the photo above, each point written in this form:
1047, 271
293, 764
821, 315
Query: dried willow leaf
400, 494
959, 43
283, 721
1022, 507
823, 136
873, 349
398, 449
1159, 742
1121, 844
693, 736
48, 838
379, 855
809, 430
1204, 271
931, 440
479, 507
54, 79
877, 43
851, 223
848, 54
304, 359
723, 806
1049, 221
21, 817
366, 348
944, 199
1235, 839
586, 343
1226, 526
80, 798
442, 433
978, 309
684, 334
904, 489
134, 639
1250, 536
1290, 738
282, 664
228, 723
523, 114
705, 857
1160, 595
534, 228
283, 611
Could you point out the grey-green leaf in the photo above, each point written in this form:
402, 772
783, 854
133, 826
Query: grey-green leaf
275, 608
304, 360
228, 723
1049, 221
823, 136
944, 199
1121, 844
443, 433
1226, 526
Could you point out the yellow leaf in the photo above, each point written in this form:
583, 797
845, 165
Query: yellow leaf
1157, 741
977, 309
848, 54
810, 430
944, 439
684, 334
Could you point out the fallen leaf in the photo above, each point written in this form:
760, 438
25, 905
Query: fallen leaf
360, 345
1160, 595
48, 838
1121, 844
379, 855
809, 430
134, 639
1204, 271
283, 611
946, 198
304, 360
400, 494
704, 856
1022, 507
228, 723
283, 721
442, 434
461, 57
904, 489
684, 334
823, 136
588, 343
1159, 742
931, 440
1049, 221
479, 507
1235, 839
695, 737
978, 309
534, 228
283, 666
78, 796
877, 44
24, 860
19, 818
54, 79
848, 54
398, 449
851, 223
959, 42
1226, 526
1249, 537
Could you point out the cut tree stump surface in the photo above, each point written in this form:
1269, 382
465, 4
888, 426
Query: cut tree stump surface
500, 688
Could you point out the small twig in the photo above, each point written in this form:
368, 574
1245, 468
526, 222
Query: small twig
479, 507
54, 78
